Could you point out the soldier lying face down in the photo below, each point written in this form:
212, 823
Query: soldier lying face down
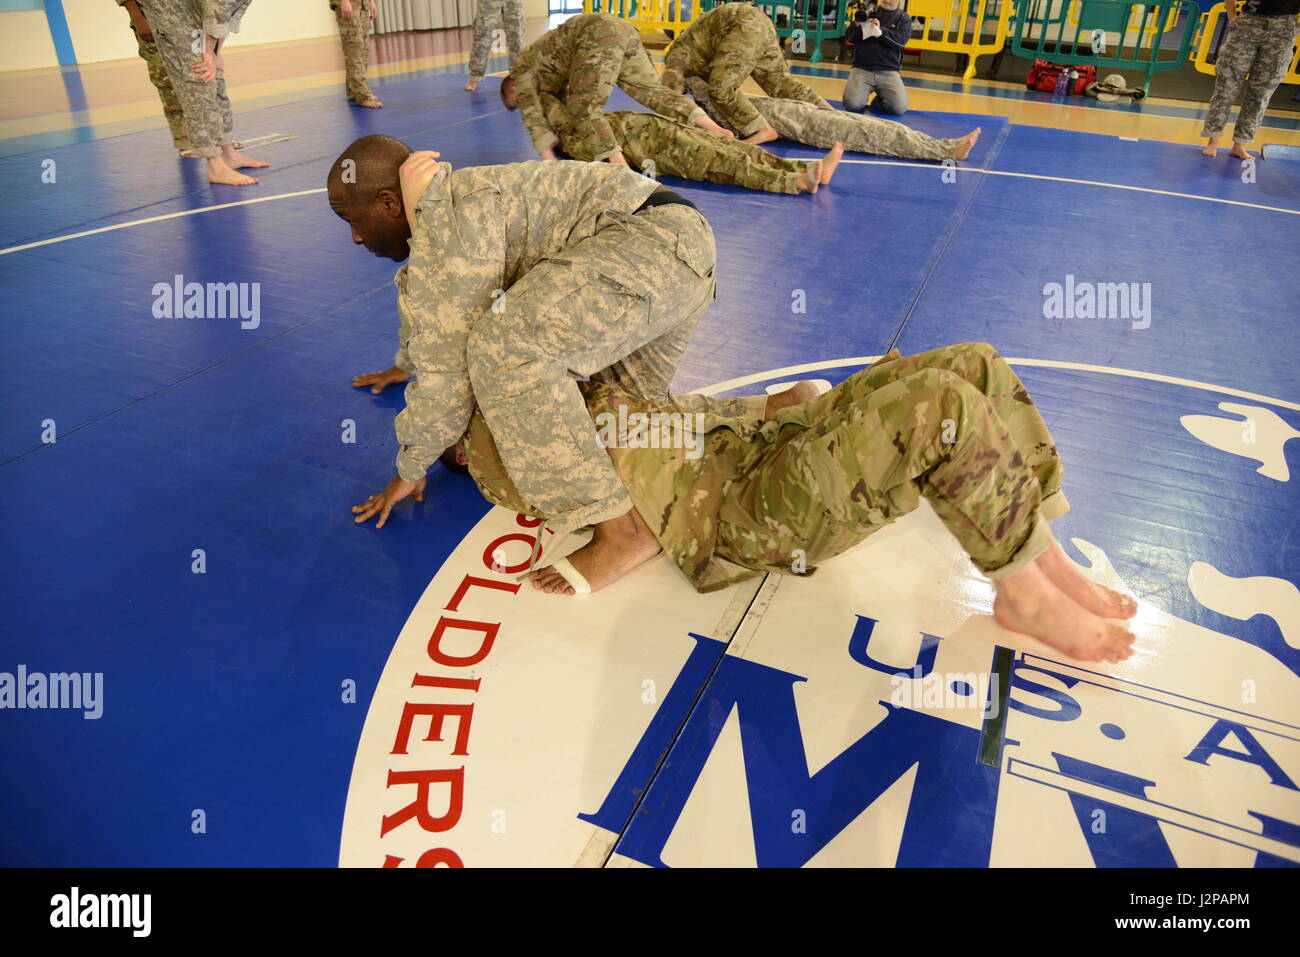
954, 425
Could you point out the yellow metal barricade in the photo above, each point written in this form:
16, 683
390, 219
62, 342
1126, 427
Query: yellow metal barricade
973, 27
1212, 33
650, 16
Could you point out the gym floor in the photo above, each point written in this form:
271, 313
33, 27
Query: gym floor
178, 493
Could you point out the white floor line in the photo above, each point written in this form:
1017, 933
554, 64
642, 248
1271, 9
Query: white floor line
1066, 179
742, 381
155, 219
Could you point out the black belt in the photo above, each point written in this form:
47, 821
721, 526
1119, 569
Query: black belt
665, 197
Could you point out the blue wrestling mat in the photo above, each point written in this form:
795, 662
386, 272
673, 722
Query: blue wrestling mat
177, 496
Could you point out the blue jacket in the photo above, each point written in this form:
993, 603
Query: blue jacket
884, 52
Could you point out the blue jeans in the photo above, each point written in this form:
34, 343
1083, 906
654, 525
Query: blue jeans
891, 95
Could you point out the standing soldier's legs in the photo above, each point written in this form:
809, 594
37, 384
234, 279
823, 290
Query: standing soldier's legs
513, 20
628, 297
355, 37
171, 106
486, 17
1267, 69
204, 116
1235, 57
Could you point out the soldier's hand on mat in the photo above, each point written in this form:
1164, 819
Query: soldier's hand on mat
618, 159
378, 381
547, 154
345, 9
382, 503
206, 69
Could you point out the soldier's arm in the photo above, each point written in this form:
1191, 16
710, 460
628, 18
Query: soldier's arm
442, 304
221, 17
533, 112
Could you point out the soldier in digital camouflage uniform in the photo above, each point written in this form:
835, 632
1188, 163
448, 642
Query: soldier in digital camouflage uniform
356, 18
189, 35
148, 51
812, 125
953, 425
662, 147
579, 63
508, 13
725, 47
520, 278
1259, 49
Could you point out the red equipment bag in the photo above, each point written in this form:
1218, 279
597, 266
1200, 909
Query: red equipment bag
1043, 76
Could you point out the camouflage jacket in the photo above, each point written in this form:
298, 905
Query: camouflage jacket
678, 496
693, 52
477, 231
217, 18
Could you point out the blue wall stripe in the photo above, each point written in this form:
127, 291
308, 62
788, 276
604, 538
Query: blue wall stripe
59, 33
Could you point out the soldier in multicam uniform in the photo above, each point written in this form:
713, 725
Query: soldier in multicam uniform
953, 425
810, 125
579, 63
356, 18
189, 35
725, 47
1261, 42
148, 51
662, 147
510, 14
521, 277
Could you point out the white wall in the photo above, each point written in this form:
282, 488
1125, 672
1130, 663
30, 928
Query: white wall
25, 42
101, 29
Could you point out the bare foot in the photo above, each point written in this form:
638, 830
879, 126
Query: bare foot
237, 160
705, 123
961, 149
1029, 604
371, 103
1240, 151
826, 166
220, 172
1211, 146
1090, 596
808, 181
472, 85
799, 392
766, 135
616, 547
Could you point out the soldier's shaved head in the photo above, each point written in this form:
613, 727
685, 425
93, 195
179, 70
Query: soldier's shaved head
365, 191
509, 94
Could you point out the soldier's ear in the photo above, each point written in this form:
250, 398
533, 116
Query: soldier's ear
390, 202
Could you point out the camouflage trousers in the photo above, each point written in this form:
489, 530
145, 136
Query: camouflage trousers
812, 125
209, 124
954, 425
355, 35
660, 147
860, 133
510, 15
749, 51
621, 307
1256, 54
158, 77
